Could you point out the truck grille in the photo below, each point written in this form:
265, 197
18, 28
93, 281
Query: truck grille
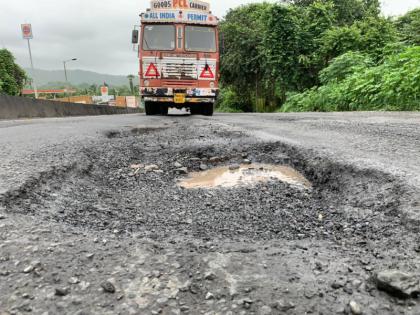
178, 83
174, 70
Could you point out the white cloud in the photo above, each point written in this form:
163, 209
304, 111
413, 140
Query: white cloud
97, 32
399, 7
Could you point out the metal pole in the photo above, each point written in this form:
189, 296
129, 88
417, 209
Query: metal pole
67, 82
33, 70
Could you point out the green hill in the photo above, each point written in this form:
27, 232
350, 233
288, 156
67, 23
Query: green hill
76, 77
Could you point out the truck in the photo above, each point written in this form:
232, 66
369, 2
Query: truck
178, 50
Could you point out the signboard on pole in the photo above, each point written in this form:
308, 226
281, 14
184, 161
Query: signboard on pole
105, 98
27, 31
104, 90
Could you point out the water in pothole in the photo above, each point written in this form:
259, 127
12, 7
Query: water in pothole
226, 177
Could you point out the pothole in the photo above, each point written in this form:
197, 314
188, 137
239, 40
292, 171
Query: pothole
244, 175
134, 131
146, 130
111, 191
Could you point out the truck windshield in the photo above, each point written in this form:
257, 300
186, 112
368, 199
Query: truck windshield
200, 38
159, 37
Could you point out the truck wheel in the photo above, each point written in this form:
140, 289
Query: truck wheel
150, 108
163, 109
208, 109
195, 110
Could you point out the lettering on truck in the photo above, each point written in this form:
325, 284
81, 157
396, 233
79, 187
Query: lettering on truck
167, 15
198, 6
196, 17
162, 4
180, 4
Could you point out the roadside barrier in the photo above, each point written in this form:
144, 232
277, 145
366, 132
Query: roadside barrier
14, 107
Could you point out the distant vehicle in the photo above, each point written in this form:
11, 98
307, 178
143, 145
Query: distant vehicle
179, 57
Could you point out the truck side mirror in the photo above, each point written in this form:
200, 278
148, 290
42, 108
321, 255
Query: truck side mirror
135, 37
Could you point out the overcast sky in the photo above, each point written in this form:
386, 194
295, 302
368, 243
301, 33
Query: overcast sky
97, 32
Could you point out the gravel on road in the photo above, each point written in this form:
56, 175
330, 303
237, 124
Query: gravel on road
96, 223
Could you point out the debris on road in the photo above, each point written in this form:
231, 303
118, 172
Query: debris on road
62, 291
108, 287
136, 166
178, 165
182, 171
203, 167
399, 284
355, 308
234, 167
151, 168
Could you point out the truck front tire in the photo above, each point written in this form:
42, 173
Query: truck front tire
164, 109
150, 108
208, 109
205, 109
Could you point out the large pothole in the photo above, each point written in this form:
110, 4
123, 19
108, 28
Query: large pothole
104, 193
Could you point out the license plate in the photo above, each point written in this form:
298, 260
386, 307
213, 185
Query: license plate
179, 98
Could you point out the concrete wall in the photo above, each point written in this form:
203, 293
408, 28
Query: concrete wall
14, 107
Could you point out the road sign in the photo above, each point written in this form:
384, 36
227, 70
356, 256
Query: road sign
104, 90
27, 31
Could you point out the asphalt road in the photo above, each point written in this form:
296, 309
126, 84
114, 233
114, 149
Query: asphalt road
75, 218
388, 141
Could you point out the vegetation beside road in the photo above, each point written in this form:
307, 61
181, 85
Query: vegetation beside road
319, 56
363, 85
12, 77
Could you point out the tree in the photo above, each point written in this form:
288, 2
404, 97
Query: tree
348, 11
345, 65
372, 8
370, 35
409, 27
274, 50
94, 89
315, 20
376, 34
243, 60
12, 76
130, 79
282, 46
337, 41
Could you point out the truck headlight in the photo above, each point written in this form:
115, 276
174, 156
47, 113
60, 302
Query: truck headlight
146, 83
212, 85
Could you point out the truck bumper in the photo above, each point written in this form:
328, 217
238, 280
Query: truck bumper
171, 100
192, 95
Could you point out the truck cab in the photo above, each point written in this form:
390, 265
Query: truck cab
179, 57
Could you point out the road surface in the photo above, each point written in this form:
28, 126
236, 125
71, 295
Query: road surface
93, 220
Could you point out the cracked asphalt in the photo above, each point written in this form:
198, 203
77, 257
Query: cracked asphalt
92, 220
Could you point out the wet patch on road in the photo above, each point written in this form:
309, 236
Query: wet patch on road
244, 175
